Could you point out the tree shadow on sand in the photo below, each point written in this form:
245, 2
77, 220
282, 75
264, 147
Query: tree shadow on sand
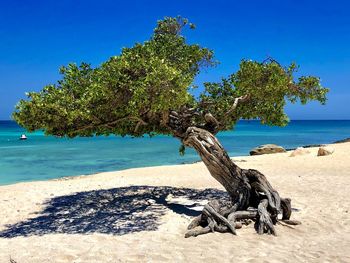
115, 211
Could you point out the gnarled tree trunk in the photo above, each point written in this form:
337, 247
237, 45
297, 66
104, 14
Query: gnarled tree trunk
252, 196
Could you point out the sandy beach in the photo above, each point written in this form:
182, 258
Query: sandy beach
141, 215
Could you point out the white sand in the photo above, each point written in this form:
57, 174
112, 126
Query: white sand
318, 186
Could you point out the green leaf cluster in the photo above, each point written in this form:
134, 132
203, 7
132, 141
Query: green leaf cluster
132, 93
134, 89
268, 86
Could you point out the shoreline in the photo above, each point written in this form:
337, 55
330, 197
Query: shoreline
347, 139
69, 177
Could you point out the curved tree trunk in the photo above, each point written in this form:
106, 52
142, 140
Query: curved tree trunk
252, 197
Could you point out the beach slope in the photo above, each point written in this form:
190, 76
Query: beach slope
141, 215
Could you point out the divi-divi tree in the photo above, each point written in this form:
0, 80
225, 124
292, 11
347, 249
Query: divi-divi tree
147, 90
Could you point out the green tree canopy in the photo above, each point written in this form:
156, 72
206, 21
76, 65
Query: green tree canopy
136, 92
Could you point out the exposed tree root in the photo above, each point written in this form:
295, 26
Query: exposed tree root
264, 207
264, 224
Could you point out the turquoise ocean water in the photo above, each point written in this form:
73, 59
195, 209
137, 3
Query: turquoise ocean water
46, 157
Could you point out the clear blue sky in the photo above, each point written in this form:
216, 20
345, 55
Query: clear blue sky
37, 37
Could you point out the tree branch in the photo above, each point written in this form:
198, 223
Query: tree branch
109, 124
236, 102
209, 118
141, 122
271, 59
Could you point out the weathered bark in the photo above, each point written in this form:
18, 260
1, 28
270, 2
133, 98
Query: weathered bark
220, 165
252, 196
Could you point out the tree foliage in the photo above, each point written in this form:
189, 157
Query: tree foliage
134, 93
267, 86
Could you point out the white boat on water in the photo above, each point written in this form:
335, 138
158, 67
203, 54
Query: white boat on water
23, 137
